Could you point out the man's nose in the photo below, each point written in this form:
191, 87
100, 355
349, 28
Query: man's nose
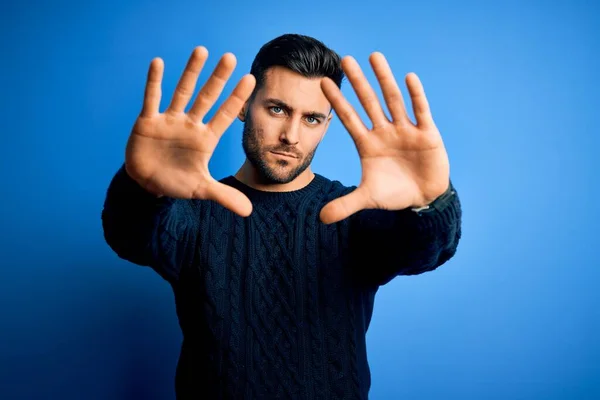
291, 132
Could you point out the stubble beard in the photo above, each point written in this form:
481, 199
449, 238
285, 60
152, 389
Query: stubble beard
280, 174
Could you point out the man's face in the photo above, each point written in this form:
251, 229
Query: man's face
284, 123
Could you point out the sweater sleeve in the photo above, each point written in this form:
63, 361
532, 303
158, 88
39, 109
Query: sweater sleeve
146, 230
386, 244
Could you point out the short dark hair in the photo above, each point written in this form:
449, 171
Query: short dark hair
300, 53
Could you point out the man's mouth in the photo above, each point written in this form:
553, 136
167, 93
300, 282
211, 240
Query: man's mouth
284, 154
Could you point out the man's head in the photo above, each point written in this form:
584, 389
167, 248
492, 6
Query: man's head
287, 115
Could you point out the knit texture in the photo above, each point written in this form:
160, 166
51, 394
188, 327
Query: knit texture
275, 305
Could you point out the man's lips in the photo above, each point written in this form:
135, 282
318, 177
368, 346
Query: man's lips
284, 154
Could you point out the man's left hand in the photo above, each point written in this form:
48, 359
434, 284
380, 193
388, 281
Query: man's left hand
404, 164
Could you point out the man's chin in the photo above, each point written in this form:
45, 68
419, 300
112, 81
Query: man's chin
278, 172
277, 178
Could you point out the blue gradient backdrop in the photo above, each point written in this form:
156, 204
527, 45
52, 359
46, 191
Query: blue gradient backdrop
514, 89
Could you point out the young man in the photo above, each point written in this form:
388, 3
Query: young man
275, 269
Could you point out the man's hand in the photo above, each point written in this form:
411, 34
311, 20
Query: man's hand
168, 153
403, 164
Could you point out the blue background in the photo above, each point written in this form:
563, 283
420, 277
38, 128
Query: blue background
513, 87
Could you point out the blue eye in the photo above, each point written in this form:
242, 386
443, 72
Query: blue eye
276, 110
312, 120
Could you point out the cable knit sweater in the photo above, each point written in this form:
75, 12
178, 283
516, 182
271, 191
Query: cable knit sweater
275, 305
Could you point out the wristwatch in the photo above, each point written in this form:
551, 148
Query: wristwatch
438, 204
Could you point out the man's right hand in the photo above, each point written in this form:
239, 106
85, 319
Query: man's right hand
168, 153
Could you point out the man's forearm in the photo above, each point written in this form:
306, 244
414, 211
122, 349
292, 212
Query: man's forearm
407, 242
129, 218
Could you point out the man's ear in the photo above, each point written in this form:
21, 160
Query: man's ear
326, 127
243, 111
328, 122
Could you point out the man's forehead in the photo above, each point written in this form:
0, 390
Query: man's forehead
294, 89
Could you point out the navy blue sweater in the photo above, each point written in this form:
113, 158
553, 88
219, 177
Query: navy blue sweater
275, 305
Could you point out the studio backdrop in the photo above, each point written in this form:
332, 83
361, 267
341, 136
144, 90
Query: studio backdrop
513, 89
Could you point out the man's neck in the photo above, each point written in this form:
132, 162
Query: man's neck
248, 175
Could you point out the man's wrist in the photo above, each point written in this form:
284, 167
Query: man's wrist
438, 204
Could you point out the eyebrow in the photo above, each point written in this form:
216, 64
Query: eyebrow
290, 109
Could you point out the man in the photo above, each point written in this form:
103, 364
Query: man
275, 269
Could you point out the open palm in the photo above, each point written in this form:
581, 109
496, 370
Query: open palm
168, 153
403, 164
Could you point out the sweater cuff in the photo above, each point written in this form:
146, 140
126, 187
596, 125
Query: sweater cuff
438, 204
445, 211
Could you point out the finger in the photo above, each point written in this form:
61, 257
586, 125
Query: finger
153, 91
231, 107
364, 91
230, 198
347, 114
187, 82
419, 101
211, 91
389, 87
343, 207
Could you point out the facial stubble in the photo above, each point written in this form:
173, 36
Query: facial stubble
255, 150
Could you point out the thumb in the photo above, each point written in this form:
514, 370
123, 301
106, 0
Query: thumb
230, 198
343, 207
